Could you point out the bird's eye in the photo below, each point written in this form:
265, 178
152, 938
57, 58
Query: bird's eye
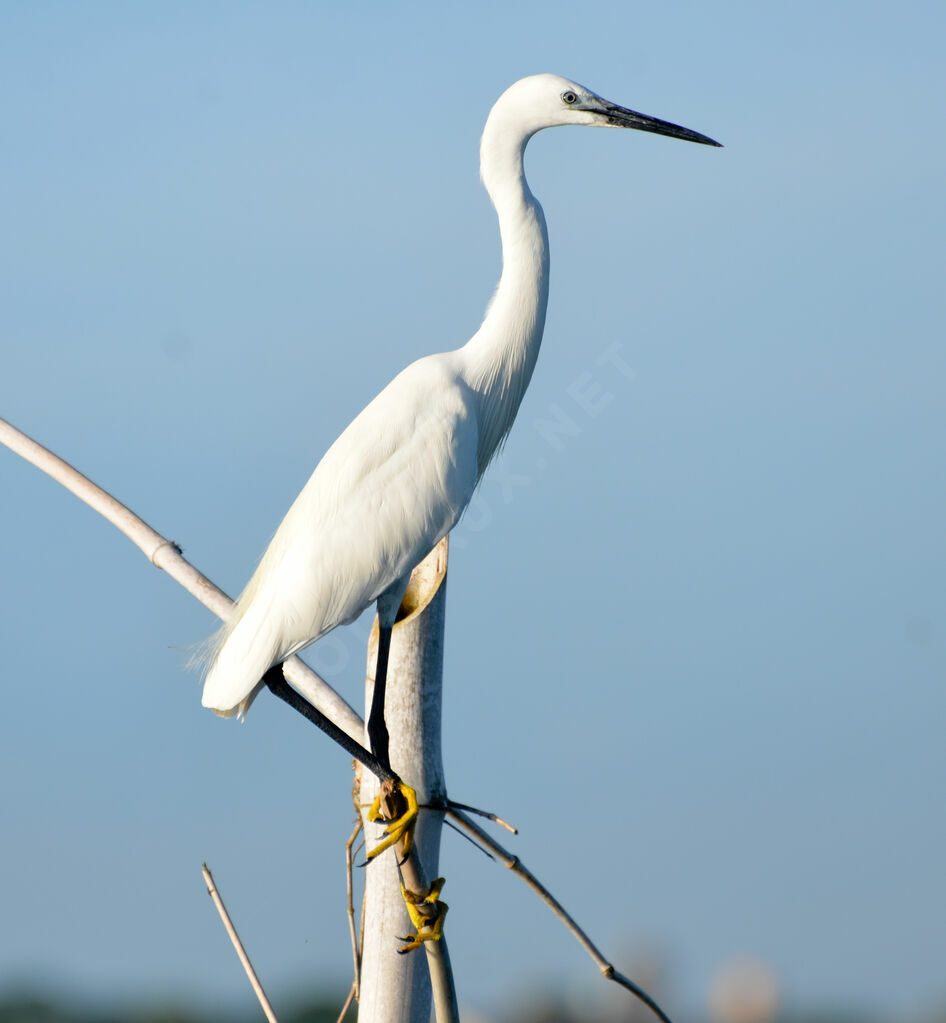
569, 98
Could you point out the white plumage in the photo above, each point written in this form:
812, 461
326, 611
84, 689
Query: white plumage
400, 476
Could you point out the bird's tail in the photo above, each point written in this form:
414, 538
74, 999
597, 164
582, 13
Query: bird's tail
237, 657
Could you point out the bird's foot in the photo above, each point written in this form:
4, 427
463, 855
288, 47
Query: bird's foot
426, 927
404, 800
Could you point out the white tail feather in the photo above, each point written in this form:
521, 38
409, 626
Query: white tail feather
240, 653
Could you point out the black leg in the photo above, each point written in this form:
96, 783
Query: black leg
378, 765
377, 729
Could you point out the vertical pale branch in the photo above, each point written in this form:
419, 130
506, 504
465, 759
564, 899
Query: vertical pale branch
394, 988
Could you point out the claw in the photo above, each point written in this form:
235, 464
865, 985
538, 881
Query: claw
399, 827
426, 928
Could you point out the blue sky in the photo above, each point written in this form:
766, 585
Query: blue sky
709, 615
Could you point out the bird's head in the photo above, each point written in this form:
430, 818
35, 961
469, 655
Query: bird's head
546, 101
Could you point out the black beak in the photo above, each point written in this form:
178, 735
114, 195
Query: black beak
621, 117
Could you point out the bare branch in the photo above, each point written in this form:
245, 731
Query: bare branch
238, 945
483, 813
166, 555
351, 997
412, 712
355, 947
446, 1009
443, 989
514, 864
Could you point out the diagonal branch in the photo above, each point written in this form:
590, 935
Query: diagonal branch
516, 865
264, 1002
166, 555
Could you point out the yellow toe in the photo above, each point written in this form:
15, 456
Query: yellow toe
398, 828
426, 928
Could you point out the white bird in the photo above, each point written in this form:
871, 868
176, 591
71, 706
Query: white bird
400, 476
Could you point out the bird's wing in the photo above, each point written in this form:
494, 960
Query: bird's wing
392, 485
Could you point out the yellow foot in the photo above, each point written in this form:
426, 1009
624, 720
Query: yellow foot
398, 827
426, 928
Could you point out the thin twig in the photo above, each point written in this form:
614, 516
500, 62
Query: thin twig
238, 945
443, 989
514, 864
166, 555
361, 921
351, 997
483, 813
466, 838
355, 948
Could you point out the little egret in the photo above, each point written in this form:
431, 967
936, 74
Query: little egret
400, 476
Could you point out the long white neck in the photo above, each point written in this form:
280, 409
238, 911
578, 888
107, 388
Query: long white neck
497, 362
